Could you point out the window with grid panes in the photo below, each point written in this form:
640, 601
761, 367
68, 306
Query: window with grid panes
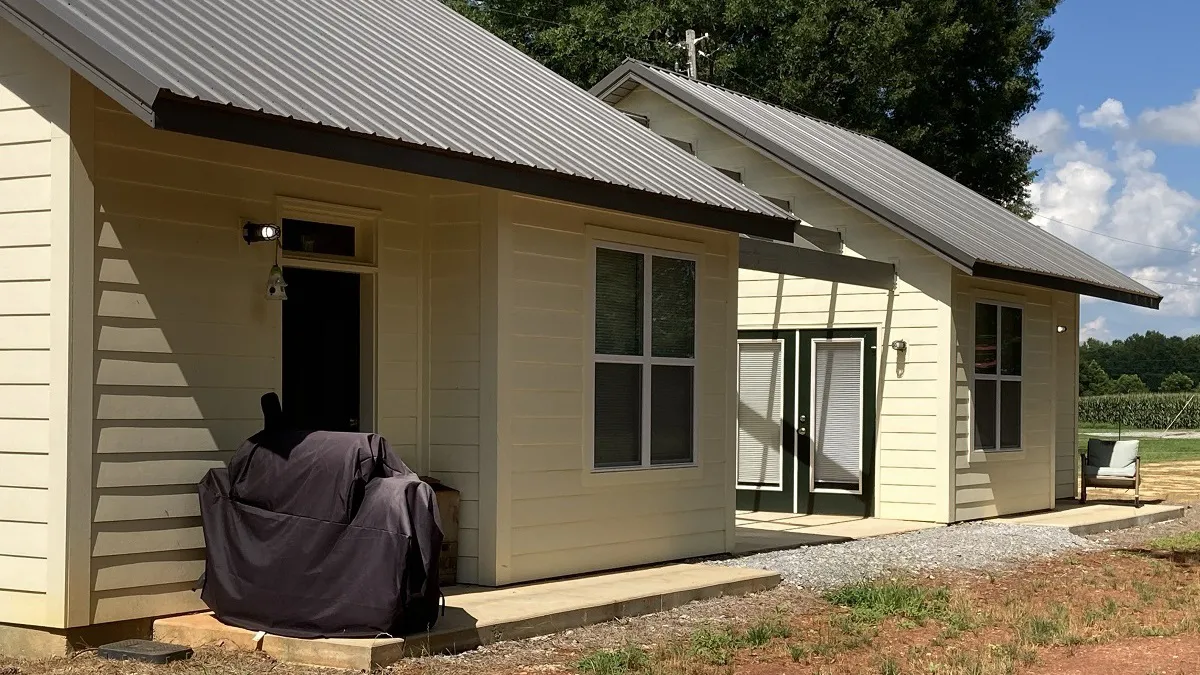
644, 363
997, 389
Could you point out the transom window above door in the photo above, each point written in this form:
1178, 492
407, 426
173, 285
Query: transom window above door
644, 361
996, 395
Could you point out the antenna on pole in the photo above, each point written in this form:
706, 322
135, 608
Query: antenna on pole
690, 41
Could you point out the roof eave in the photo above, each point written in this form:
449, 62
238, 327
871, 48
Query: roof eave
84, 55
644, 75
1128, 297
228, 123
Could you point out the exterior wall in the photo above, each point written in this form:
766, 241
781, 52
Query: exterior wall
997, 483
453, 279
1066, 358
564, 518
186, 341
913, 404
43, 182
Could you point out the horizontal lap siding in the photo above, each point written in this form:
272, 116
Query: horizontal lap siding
912, 401
565, 519
34, 100
453, 354
1066, 463
187, 342
991, 484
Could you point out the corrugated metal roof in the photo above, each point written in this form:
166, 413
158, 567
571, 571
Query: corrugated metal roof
930, 207
410, 70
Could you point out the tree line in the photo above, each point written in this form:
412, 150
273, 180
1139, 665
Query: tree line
1138, 364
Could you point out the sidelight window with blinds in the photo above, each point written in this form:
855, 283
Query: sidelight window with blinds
996, 394
644, 361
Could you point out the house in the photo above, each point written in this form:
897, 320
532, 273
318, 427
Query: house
951, 396
532, 297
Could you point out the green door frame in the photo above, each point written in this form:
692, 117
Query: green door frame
837, 502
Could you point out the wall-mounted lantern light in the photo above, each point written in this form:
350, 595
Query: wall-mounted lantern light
1062, 329
899, 345
258, 232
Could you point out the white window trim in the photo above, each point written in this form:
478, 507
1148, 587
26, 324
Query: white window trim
737, 454
997, 451
364, 221
812, 415
646, 360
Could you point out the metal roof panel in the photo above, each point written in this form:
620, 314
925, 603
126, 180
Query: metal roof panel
941, 213
412, 71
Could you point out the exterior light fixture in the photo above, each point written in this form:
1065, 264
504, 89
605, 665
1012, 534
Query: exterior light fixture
258, 232
1062, 329
899, 345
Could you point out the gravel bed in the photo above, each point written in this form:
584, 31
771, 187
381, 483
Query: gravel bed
970, 546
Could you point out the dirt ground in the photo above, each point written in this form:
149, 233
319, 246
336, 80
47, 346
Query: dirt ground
1176, 482
1125, 611
1121, 611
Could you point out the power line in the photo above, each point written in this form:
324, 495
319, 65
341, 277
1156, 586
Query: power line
1169, 283
1102, 234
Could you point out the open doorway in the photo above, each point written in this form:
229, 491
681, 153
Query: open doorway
322, 350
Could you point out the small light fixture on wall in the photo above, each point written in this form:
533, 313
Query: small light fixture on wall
899, 345
1061, 329
254, 233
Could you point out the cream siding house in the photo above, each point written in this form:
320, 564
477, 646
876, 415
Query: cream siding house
925, 449
136, 336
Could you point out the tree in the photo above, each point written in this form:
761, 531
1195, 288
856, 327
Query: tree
1176, 382
1093, 381
1130, 384
943, 80
1152, 356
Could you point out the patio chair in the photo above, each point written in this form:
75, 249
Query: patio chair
1113, 464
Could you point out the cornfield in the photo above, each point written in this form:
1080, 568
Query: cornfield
1142, 411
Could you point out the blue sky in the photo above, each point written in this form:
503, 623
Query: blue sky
1119, 129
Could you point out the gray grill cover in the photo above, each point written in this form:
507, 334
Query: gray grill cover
320, 534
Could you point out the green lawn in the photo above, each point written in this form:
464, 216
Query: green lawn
1159, 449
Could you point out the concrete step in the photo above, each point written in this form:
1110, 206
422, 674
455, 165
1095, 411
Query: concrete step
1093, 518
477, 616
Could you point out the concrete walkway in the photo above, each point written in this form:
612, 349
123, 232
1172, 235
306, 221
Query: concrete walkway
1094, 517
760, 531
476, 615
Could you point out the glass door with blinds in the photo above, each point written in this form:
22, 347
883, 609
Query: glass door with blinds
806, 421
766, 434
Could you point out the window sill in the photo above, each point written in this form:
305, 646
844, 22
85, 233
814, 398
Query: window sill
984, 456
643, 475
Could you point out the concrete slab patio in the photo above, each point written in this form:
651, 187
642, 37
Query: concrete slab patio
477, 616
1094, 517
760, 531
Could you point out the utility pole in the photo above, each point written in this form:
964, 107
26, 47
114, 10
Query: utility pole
690, 41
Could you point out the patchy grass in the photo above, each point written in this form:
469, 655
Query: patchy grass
1155, 450
614, 661
871, 601
1188, 542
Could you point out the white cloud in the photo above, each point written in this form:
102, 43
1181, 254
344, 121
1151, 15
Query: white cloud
1096, 328
1176, 123
1110, 115
1180, 287
1046, 130
1095, 196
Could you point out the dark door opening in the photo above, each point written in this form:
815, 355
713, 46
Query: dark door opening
321, 350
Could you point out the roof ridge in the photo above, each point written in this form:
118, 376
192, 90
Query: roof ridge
756, 100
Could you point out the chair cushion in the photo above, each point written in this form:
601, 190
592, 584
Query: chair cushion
1110, 471
1111, 454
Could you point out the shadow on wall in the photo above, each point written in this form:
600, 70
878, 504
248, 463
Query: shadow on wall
185, 346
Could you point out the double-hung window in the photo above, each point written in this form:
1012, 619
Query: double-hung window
997, 390
644, 361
